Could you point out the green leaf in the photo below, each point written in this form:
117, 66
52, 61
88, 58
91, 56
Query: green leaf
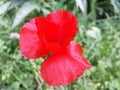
4, 7
116, 6
82, 4
26, 8
45, 11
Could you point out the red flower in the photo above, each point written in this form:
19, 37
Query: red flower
52, 35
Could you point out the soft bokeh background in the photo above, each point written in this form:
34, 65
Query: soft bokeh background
99, 35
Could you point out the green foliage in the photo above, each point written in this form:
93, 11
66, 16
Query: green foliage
99, 38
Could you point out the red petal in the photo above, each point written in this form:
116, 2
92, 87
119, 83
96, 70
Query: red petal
31, 45
64, 68
59, 27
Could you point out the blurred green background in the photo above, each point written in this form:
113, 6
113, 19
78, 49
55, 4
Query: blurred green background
99, 35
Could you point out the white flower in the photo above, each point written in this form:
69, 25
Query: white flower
94, 33
14, 35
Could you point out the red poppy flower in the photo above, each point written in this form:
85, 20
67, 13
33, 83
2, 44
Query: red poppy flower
52, 35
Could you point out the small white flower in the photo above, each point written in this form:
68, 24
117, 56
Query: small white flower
14, 35
94, 33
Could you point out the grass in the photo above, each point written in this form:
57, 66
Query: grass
102, 50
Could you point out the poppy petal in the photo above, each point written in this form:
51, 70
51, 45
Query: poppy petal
64, 68
52, 47
58, 28
66, 24
31, 45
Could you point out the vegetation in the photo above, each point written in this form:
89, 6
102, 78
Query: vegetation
99, 33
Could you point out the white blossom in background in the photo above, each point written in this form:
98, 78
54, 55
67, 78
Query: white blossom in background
14, 35
94, 32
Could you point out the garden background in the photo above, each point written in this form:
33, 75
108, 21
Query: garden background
99, 35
